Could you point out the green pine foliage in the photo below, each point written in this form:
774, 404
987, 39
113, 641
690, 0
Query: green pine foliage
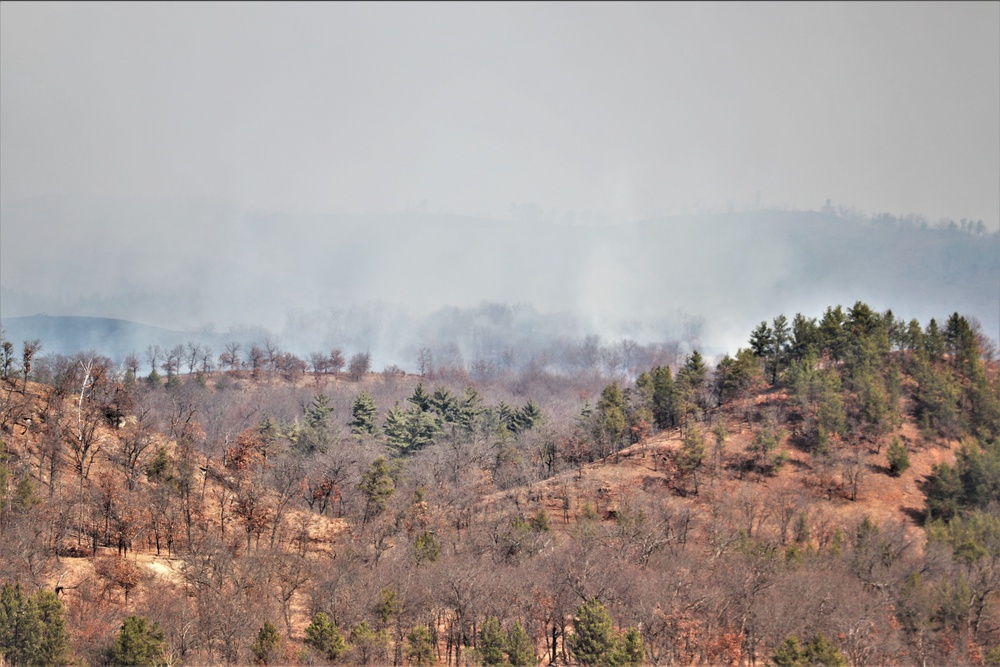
364, 415
377, 486
818, 651
314, 438
898, 457
32, 628
323, 636
692, 454
632, 650
139, 643
267, 647
972, 483
594, 639
520, 649
426, 548
368, 645
492, 643
611, 426
420, 647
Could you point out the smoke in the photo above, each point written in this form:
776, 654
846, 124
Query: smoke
484, 289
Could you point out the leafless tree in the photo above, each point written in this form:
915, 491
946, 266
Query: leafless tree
153, 354
31, 348
361, 363
193, 355
230, 357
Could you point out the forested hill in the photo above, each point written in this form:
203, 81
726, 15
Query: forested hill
299, 275
828, 494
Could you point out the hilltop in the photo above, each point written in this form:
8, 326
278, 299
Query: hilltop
821, 482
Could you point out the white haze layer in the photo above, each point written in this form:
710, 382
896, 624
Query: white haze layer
270, 164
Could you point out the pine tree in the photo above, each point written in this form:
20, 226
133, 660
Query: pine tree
426, 548
492, 642
692, 454
790, 653
632, 650
832, 417
899, 458
595, 640
611, 424
323, 635
395, 428
367, 644
365, 415
267, 647
762, 340
315, 437
377, 486
520, 649
32, 629
663, 397
821, 651
138, 643
527, 417
421, 399
420, 646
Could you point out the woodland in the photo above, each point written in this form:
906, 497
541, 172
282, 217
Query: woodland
829, 495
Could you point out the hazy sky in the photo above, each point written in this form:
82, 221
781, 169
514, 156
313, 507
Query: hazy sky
630, 110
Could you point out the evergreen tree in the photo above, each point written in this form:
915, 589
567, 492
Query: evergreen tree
388, 606
720, 433
377, 486
832, 417
933, 341
664, 397
446, 406
139, 643
364, 415
762, 340
315, 437
267, 647
426, 548
960, 343
395, 428
323, 635
520, 648
692, 454
492, 642
790, 653
821, 651
831, 333
899, 458
420, 647
420, 398
529, 416
469, 407
32, 629
734, 377
611, 425
782, 335
914, 336
632, 650
805, 336
410, 431
595, 640
689, 385
367, 644
818, 651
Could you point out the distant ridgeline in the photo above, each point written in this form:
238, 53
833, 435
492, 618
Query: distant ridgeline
110, 337
721, 270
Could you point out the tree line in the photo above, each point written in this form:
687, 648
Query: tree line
390, 520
